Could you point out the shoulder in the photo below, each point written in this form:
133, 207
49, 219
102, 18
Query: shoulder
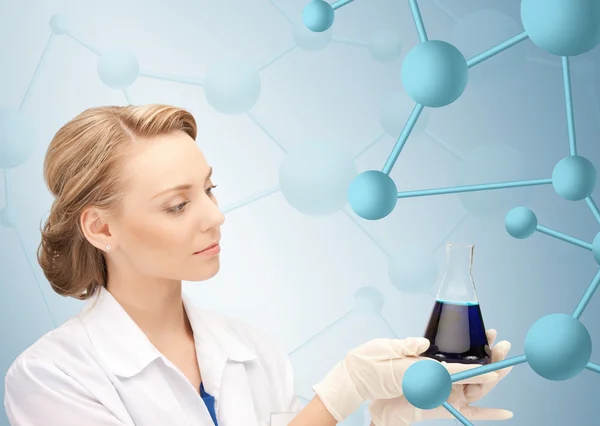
63, 350
43, 367
55, 345
56, 376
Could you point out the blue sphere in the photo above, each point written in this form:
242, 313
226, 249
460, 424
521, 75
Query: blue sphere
435, 73
8, 217
368, 300
562, 27
232, 86
318, 16
372, 195
118, 68
558, 347
596, 248
574, 178
59, 24
521, 222
315, 176
426, 384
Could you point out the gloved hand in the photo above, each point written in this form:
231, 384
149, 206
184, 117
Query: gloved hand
399, 412
374, 370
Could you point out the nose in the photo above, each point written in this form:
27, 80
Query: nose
210, 215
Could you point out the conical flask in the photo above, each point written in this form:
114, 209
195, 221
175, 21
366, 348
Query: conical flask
456, 331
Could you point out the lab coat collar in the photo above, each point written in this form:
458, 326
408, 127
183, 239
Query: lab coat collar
216, 345
206, 323
119, 341
126, 350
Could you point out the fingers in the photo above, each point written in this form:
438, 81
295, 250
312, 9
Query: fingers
454, 368
499, 354
500, 351
491, 335
471, 413
483, 413
398, 411
411, 346
475, 392
384, 349
457, 395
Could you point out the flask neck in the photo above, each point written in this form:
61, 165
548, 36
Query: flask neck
459, 260
457, 284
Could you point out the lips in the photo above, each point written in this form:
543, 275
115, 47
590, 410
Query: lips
207, 248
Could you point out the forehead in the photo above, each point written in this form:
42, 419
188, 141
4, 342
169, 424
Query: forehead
164, 161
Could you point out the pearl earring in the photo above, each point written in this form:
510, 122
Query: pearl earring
108, 247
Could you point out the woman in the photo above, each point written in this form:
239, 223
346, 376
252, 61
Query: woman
134, 215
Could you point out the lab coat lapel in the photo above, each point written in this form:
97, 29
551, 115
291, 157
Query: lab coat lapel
235, 406
224, 361
165, 406
125, 350
227, 380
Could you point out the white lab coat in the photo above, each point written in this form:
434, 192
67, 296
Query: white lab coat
99, 368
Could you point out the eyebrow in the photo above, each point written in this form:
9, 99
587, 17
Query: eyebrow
181, 187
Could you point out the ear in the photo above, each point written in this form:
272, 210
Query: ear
95, 227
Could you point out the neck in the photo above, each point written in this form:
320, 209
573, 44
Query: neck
155, 305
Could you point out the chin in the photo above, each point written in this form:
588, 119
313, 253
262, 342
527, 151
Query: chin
204, 272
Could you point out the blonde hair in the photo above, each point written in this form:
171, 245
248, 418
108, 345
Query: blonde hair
82, 169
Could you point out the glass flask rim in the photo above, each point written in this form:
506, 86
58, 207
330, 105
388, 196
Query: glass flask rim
459, 245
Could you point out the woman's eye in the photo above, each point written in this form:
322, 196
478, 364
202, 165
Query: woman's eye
178, 209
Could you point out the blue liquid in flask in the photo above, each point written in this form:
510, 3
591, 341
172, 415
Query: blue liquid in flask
456, 331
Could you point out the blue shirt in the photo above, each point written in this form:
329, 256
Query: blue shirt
209, 401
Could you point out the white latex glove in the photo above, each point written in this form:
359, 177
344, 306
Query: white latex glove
476, 391
374, 370
399, 412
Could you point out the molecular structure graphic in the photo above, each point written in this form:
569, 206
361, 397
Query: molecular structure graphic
232, 87
434, 74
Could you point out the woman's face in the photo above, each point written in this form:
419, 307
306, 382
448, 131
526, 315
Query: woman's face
169, 213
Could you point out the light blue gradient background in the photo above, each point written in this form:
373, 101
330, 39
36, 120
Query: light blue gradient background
292, 275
